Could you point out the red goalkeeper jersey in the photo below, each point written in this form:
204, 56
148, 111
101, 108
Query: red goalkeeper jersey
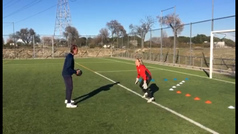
143, 72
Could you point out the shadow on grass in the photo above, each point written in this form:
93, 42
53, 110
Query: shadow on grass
94, 92
229, 75
153, 88
206, 72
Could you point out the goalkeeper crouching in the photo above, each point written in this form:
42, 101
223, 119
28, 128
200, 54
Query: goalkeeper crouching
144, 73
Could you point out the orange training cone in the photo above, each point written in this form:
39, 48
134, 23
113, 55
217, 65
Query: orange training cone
188, 95
208, 102
179, 92
196, 98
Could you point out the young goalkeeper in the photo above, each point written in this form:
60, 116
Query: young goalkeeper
146, 76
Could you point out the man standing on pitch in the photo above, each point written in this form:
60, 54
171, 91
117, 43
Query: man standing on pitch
143, 72
67, 72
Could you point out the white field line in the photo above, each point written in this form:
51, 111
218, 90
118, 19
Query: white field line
180, 115
115, 71
177, 72
186, 118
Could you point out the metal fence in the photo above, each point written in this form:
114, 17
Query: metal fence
158, 46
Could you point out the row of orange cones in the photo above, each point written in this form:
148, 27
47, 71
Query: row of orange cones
196, 98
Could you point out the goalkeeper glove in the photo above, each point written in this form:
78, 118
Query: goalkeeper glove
145, 85
137, 79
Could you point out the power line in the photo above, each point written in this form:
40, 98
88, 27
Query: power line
25, 7
36, 13
10, 1
5, 5
39, 13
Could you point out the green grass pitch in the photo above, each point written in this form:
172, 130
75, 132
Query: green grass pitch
34, 93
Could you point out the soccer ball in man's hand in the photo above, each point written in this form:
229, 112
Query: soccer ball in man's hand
80, 72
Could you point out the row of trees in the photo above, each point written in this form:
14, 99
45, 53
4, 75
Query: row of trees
182, 41
71, 33
113, 32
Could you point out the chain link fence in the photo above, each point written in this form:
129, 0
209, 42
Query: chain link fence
159, 46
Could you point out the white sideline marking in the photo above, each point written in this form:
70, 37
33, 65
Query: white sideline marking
116, 71
180, 115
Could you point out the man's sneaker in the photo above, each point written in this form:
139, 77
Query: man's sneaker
151, 99
70, 102
145, 95
69, 105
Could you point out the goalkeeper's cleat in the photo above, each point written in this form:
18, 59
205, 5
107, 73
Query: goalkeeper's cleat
67, 101
145, 95
151, 99
69, 105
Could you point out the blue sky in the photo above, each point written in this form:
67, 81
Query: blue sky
89, 16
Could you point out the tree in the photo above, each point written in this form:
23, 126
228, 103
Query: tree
133, 30
230, 43
116, 28
71, 34
97, 40
120, 32
104, 34
173, 21
26, 36
143, 29
200, 38
82, 41
47, 40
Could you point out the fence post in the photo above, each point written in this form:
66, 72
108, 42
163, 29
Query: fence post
52, 47
33, 46
201, 61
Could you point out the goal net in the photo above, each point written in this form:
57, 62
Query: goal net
222, 52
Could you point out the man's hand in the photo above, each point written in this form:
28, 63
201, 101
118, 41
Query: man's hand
77, 71
145, 85
137, 80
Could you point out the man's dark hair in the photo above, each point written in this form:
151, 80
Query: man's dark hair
73, 47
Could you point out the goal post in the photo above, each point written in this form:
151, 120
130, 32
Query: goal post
212, 46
